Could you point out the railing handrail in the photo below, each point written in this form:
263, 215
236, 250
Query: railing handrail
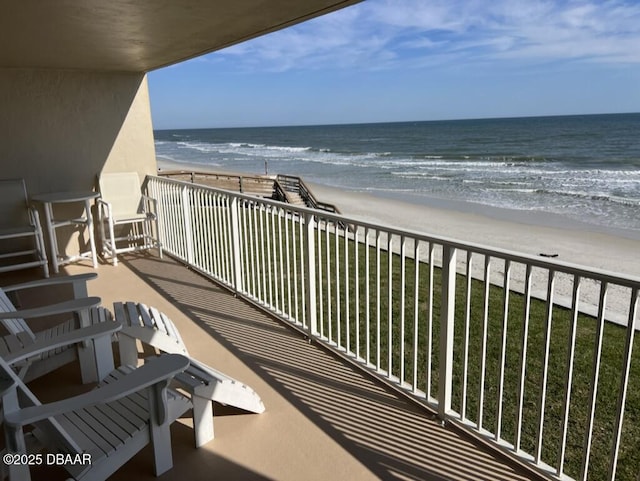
310, 200
363, 290
168, 174
626, 280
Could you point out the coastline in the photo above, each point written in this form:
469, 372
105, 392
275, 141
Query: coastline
525, 232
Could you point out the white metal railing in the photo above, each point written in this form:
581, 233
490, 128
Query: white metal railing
496, 341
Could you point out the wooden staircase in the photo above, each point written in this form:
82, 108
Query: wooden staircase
296, 199
285, 188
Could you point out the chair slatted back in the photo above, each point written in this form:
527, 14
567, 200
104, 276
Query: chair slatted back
15, 326
13, 204
122, 191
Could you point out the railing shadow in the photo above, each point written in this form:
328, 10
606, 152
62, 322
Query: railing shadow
392, 437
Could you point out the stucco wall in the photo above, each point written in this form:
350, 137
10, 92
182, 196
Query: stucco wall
60, 129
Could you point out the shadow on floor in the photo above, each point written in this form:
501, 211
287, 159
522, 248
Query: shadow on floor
392, 437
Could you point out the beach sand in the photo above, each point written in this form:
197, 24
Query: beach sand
532, 235
529, 233
522, 232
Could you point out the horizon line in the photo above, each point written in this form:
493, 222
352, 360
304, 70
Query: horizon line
397, 121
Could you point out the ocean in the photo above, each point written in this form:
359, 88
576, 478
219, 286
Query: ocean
584, 168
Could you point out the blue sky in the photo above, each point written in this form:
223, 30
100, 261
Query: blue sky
399, 60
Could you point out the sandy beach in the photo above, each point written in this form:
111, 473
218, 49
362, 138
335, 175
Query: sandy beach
532, 235
513, 230
523, 232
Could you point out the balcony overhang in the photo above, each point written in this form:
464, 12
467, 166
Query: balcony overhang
139, 35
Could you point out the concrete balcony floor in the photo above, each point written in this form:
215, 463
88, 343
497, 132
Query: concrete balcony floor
324, 419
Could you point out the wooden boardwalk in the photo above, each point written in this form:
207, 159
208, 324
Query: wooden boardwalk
284, 188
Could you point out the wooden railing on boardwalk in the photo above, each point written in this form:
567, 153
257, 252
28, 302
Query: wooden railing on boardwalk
285, 188
246, 184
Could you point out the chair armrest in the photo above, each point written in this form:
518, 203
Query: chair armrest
161, 369
103, 205
50, 310
52, 281
34, 216
72, 337
150, 203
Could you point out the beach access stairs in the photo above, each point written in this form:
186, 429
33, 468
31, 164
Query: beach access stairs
284, 188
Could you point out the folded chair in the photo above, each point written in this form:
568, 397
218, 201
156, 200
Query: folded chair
95, 433
21, 240
203, 383
96, 361
128, 219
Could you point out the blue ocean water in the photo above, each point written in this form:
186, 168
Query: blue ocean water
585, 167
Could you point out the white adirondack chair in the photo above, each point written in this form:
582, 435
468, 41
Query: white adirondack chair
21, 240
203, 383
123, 206
95, 361
97, 432
147, 325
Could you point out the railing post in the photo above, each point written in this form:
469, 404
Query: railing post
310, 270
447, 316
188, 228
236, 247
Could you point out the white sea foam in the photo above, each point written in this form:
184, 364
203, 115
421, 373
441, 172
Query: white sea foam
581, 177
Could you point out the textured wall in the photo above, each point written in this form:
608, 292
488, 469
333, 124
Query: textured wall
60, 129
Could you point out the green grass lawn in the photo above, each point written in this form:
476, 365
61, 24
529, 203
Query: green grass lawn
342, 310
412, 339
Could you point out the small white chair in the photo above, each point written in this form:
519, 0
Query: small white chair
21, 240
123, 207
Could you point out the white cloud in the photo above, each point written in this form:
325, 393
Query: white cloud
409, 33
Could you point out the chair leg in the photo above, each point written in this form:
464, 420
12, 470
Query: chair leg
103, 237
157, 236
161, 440
158, 244
202, 419
128, 350
42, 252
112, 243
103, 352
159, 430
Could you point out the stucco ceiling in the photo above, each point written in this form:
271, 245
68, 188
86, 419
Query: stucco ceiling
138, 35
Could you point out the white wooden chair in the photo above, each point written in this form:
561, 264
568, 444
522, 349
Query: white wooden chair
203, 383
97, 432
21, 241
95, 361
147, 325
128, 219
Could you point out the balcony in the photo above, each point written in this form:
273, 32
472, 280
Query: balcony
383, 353
325, 418
537, 356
